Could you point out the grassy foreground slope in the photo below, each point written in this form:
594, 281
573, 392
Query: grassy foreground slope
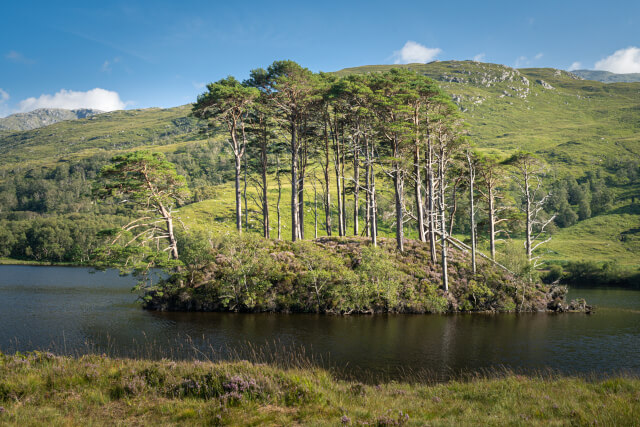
39, 389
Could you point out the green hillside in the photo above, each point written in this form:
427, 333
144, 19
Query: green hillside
581, 128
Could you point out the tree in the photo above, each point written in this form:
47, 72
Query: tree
148, 184
492, 173
229, 102
290, 88
529, 171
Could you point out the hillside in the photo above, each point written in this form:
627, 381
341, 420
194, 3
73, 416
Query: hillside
579, 127
43, 117
102, 133
607, 76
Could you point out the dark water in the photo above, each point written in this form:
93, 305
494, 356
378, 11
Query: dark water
70, 310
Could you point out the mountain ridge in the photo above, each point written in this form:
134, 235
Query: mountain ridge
44, 117
607, 76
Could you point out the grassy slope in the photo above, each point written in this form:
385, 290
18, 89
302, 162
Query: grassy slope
44, 389
574, 126
105, 133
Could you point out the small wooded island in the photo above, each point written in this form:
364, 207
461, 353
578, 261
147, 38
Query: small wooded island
344, 276
382, 134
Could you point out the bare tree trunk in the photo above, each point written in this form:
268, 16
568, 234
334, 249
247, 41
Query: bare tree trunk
173, 243
294, 184
238, 195
344, 190
418, 189
244, 196
529, 224
265, 192
356, 178
431, 205
472, 177
327, 193
492, 223
398, 186
374, 209
442, 207
336, 163
315, 212
279, 198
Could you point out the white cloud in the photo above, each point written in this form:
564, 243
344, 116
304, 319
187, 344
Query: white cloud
415, 52
575, 66
99, 99
521, 61
479, 57
539, 56
622, 61
4, 96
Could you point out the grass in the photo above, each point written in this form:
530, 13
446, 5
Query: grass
40, 388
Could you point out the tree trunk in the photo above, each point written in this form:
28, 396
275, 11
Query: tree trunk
265, 193
238, 195
327, 194
398, 186
431, 204
294, 184
356, 179
472, 177
492, 223
528, 219
418, 189
173, 243
442, 207
279, 198
244, 195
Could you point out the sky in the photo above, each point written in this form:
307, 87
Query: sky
137, 54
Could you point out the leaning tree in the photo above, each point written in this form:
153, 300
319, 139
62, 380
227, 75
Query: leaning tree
149, 186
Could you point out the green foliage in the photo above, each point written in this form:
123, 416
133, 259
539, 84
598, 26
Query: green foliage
333, 275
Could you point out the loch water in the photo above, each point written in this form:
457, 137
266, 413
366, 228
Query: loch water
76, 311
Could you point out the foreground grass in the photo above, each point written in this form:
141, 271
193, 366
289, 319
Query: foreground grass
43, 389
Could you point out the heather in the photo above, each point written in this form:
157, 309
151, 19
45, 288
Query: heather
340, 276
42, 388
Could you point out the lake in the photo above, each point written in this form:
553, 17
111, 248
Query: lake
74, 311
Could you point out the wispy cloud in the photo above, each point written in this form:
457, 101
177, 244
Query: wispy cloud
415, 52
522, 61
18, 58
199, 85
575, 66
479, 57
4, 108
99, 99
107, 66
622, 61
538, 56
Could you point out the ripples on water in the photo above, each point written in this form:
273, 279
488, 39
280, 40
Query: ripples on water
70, 310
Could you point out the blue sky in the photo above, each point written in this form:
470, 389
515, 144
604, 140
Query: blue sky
140, 54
